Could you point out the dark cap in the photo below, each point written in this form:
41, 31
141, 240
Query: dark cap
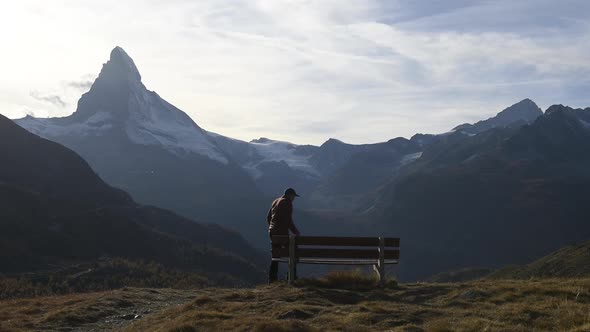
291, 191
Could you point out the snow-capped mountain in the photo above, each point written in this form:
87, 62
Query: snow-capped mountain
143, 116
254, 154
297, 157
273, 165
139, 142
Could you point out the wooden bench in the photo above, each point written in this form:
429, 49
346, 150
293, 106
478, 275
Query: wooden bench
376, 251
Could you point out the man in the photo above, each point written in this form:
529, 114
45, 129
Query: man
280, 221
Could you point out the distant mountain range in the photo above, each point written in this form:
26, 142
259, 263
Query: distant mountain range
499, 191
504, 196
140, 143
56, 211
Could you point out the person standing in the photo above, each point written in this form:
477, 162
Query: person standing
280, 221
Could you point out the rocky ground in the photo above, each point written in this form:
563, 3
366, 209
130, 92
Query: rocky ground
100, 311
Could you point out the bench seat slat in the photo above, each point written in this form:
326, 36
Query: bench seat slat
336, 261
345, 241
342, 241
344, 262
337, 241
278, 252
345, 253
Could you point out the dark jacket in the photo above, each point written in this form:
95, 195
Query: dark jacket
280, 217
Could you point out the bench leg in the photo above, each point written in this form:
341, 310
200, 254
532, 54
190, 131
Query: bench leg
380, 270
380, 266
292, 260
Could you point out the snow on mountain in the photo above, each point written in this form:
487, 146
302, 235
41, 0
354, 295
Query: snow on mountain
254, 154
410, 158
142, 115
95, 125
293, 155
120, 107
153, 121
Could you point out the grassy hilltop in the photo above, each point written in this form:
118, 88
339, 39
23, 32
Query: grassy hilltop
498, 305
569, 262
549, 294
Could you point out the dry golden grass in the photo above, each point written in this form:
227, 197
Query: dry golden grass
348, 279
495, 305
544, 305
99, 311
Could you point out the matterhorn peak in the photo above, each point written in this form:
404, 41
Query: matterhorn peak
119, 106
120, 66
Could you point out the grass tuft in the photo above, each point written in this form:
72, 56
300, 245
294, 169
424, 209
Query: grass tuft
183, 328
355, 280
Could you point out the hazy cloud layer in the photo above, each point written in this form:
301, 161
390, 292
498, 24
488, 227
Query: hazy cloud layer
54, 100
81, 85
304, 71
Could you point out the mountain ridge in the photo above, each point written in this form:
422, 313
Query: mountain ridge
139, 142
572, 261
118, 101
521, 113
56, 210
490, 190
389, 187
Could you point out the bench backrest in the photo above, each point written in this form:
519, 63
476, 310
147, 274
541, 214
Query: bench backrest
337, 247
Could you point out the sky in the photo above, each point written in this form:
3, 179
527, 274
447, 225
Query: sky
304, 71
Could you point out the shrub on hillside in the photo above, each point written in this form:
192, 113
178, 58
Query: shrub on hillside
105, 275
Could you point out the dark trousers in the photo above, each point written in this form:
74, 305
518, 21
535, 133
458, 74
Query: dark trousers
273, 270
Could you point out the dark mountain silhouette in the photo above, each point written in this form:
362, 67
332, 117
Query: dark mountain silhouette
362, 172
521, 113
337, 175
504, 196
334, 153
56, 210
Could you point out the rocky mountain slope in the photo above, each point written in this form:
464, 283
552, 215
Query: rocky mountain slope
138, 142
55, 211
519, 114
504, 196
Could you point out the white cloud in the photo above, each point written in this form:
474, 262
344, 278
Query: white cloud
305, 70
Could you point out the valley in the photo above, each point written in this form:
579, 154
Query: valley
281, 165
